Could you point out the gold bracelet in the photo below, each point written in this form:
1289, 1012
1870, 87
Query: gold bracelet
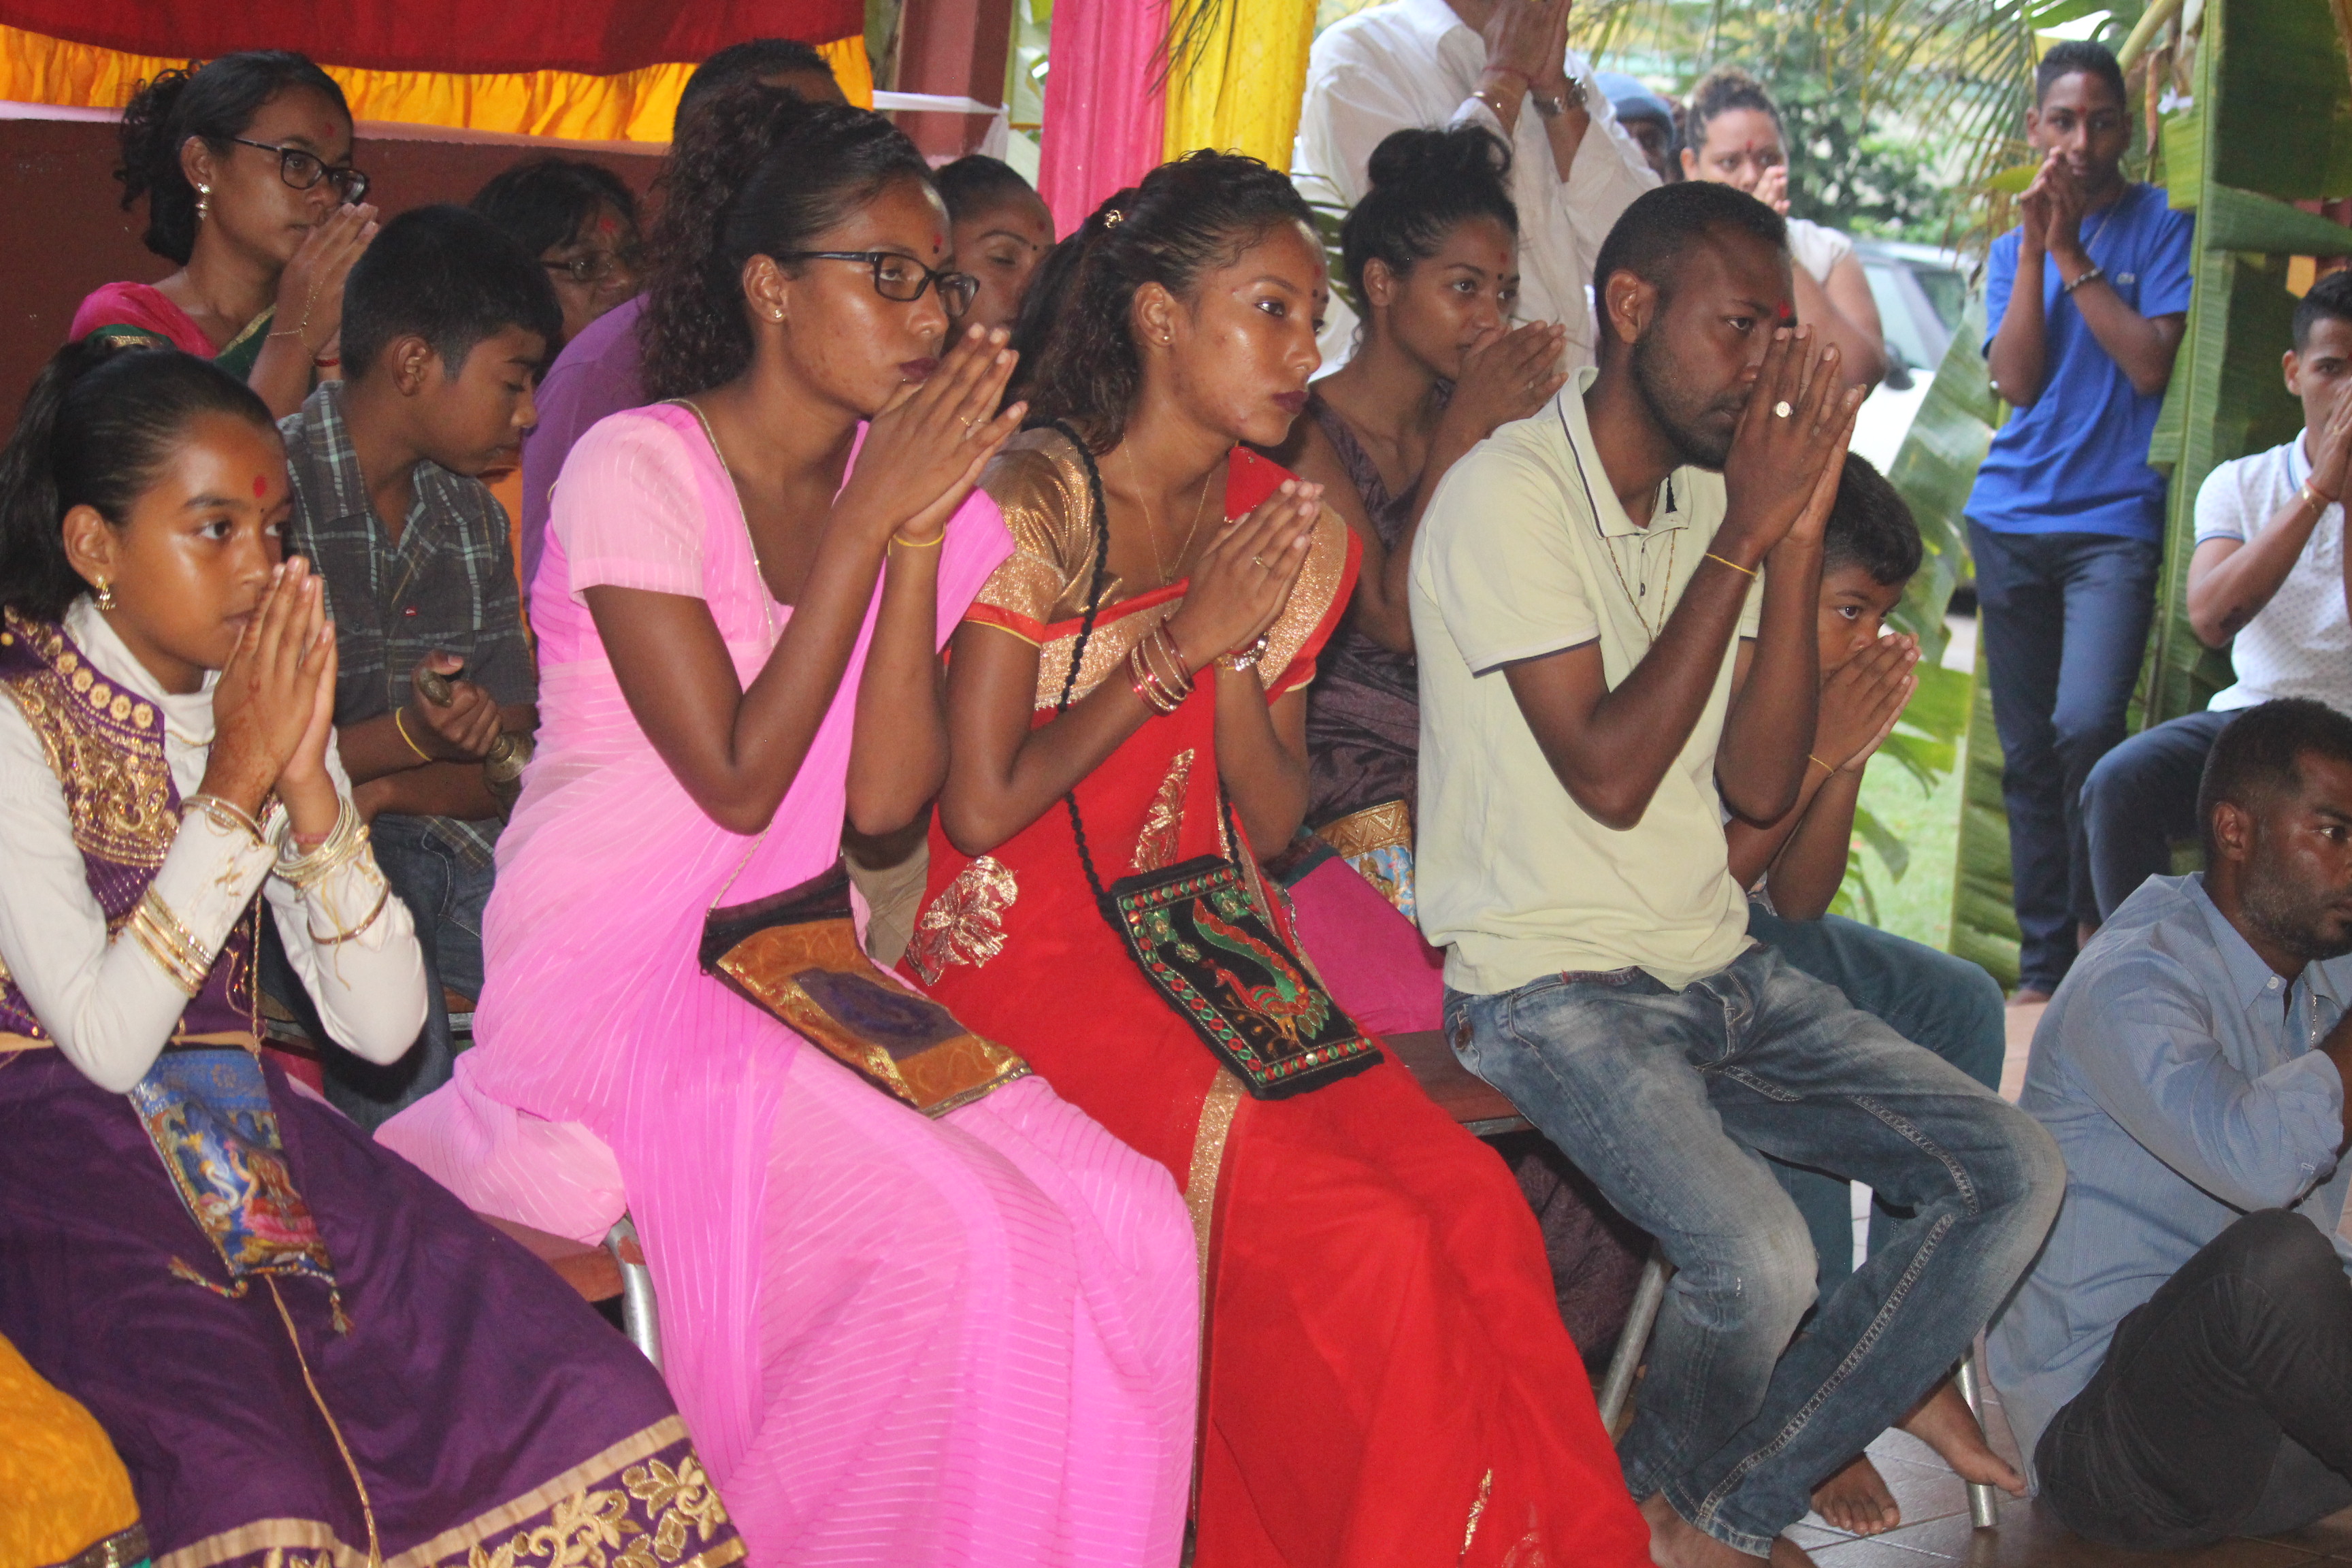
900, 541
1160, 641
1735, 565
1825, 767
384, 897
226, 817
1145, 684
171, 943
2313, 499
397, 723
344, 842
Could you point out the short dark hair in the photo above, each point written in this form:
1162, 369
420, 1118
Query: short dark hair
2078, 55
100, 422
2330, 300
217, 101
546, 202
1662, 224
448, 276
1423, 182
977, 181
1870, 526
2257, 755
747, 61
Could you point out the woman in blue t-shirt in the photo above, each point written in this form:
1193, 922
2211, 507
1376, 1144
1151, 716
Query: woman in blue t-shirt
2088, 297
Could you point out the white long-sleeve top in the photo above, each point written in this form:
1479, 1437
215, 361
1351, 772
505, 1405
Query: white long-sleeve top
1414, 63
109, 1005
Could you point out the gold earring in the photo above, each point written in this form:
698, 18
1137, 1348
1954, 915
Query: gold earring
204, 203
105, 594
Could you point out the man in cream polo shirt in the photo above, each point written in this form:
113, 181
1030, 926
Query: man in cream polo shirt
1614, 605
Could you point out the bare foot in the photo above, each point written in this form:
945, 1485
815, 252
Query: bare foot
1856, 1499
1943, 1421
1676, 1542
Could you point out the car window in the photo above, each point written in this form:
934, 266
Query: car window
1948, 290
1898, 317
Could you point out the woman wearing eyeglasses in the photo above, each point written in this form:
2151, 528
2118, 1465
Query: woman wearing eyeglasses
581, 220
968, 1338
245, 163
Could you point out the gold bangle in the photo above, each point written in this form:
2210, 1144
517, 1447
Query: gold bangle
344, 842
172, 946
1825, 766
1146, 682
900, 541
226, 816
1735, 565
2313, 498
384, 897
399, 724
1157, 641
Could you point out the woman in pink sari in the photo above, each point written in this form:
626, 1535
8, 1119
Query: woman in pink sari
967, 1340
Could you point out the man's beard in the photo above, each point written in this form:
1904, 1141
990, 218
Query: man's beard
1678, 412
2292, 921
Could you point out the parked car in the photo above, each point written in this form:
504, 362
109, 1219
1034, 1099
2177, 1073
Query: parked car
1921, 292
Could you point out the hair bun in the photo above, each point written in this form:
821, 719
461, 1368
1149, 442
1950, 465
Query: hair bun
1455, 153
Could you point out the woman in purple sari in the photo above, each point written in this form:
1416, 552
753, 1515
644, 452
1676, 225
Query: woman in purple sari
301, 1347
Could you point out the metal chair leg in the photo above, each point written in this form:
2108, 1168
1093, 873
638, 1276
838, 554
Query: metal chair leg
640, 1314
1984, 1501
1648, 1296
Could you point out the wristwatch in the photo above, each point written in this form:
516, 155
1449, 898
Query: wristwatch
1552, 108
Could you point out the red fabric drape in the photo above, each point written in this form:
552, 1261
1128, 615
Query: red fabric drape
599, 37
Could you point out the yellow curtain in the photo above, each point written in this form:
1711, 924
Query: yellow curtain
1237, 85
636, 106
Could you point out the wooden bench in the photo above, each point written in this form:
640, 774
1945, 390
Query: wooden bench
1462, 1094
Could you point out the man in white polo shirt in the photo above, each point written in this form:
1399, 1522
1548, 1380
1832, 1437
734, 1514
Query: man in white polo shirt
1615, 606
2268, 572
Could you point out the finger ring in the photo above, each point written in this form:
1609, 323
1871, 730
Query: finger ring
968, 424
1260, 564
1781, 410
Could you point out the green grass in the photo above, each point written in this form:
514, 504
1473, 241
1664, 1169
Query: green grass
1919, 905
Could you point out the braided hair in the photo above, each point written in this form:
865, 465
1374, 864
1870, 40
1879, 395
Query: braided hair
756, 172
1187, 217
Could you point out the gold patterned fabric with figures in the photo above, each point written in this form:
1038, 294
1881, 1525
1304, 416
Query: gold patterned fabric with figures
965, 923
1163, 825
92, 730
1039, 593
646, 1502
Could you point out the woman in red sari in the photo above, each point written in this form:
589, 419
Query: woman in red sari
1387, 1379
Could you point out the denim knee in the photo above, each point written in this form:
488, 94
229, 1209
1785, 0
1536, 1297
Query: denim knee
2030, 1179
1769, 1268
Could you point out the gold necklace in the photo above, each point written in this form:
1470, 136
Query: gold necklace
1151, 528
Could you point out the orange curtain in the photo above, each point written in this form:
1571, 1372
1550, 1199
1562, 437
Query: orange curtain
633, 106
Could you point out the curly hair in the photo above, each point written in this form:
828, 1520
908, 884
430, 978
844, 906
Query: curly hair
217, 101
100, 422
1423, 182
1187, 217
1719, 92
757, 173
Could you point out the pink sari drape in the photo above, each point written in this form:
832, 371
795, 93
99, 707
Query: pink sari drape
896, 1340
1105, 107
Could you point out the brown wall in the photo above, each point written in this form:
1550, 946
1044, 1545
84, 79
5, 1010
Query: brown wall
62, 234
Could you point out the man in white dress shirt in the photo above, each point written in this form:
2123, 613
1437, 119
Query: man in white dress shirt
1503, 64
2268, 582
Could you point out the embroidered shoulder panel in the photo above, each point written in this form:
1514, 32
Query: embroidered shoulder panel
1041, 486
105, 745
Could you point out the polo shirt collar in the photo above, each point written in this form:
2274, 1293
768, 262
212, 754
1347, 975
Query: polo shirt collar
2250, 976
1607, 509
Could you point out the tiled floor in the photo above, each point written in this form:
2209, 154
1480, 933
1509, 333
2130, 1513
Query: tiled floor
1936, 1528
1936, 1507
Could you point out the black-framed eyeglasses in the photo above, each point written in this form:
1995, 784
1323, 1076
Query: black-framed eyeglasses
598, 265
304, 170
902, 278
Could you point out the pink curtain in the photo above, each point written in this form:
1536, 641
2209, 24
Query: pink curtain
1106, 111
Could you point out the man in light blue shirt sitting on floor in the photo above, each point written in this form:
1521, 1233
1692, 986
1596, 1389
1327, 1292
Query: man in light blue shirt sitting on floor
2178, 1367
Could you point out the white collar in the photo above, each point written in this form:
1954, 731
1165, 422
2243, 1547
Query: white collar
187, 717
1434, 19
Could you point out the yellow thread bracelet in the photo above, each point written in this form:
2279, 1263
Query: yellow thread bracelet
401, 724
1735, 565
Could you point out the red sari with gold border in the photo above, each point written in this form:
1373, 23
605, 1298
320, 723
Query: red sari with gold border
1386, 1377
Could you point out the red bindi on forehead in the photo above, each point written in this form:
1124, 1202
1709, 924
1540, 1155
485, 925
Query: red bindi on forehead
607, 224
260, 486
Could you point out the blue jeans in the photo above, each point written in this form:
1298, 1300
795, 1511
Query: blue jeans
1947, 1005
2065, 620
2142, 796
1670, 1101
445, 896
